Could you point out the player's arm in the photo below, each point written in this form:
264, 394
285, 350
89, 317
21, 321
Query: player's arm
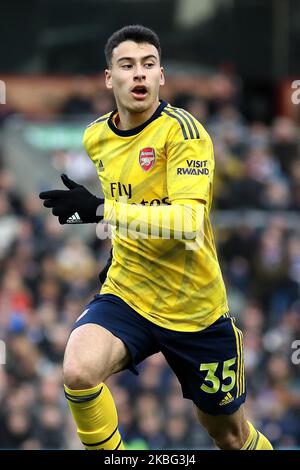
76, 205
182, 219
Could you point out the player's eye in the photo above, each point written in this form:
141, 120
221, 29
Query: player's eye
126, 66
149, 64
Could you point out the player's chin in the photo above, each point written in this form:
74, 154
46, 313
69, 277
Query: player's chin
140, 106
146, 103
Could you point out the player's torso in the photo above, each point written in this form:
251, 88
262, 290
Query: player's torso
159, 278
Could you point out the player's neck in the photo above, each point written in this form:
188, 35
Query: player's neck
128, 120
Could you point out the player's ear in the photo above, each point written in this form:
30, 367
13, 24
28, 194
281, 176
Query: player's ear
162, 76
108, 79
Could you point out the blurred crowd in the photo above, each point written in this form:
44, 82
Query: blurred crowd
48, 274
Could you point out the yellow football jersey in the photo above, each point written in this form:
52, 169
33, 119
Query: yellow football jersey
166, 159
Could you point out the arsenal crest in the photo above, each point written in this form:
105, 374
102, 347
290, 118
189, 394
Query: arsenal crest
147, 158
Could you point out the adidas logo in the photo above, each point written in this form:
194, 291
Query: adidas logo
226, 400
101, 167
74, 219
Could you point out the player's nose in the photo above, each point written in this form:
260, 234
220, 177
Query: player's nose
139, 73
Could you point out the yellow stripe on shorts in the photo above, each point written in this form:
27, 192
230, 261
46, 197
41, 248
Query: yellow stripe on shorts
242, 360
239, 369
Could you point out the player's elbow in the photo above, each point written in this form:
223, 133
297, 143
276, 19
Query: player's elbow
191, 234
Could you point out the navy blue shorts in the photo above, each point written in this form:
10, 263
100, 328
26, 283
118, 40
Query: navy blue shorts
209, 363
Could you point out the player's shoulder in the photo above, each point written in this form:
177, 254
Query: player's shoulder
95, 129
99, 121
183, 124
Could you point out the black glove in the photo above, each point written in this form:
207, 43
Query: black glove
74, 206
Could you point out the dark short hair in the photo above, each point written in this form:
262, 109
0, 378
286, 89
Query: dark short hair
137, 33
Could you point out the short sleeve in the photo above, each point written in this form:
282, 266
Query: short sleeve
190, 167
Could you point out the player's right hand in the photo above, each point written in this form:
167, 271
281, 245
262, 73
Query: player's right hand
76, 205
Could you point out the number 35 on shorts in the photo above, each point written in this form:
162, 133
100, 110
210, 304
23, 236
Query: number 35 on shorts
232, 374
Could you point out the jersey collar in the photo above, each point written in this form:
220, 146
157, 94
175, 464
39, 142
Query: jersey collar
135, 130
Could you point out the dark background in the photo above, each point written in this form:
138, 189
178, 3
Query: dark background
260, 37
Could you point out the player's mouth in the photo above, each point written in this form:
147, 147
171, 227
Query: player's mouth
139, 92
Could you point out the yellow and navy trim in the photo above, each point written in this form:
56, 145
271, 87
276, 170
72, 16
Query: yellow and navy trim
253, 444
240, 372
138, 129
82, 399
99, 443
186, 121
